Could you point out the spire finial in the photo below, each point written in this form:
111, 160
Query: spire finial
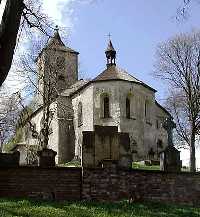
56, 28
110, 53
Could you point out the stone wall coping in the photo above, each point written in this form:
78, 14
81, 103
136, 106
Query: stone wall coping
143, 171
41, 168
99, 169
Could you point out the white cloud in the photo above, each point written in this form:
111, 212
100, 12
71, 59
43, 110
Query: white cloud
54, 10
2, 6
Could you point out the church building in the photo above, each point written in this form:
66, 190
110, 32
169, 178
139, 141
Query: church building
114, 116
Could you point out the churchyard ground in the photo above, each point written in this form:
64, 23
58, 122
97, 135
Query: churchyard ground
30, 208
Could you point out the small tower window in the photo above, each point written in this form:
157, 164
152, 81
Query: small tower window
80, 114
128, 110
159, 143
106, 107
147, 111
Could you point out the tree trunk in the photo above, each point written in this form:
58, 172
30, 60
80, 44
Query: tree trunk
8, 33
192, 152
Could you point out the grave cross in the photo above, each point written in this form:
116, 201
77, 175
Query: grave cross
169, 125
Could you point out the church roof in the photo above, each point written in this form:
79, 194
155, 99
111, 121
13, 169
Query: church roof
56, 42
75, 87
115, 73
110, 47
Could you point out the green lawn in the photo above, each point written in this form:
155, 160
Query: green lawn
27, 208
136, 165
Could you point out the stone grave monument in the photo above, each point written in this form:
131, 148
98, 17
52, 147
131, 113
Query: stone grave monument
170, 157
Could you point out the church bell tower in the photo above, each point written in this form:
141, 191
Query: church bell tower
57, 67
110, 54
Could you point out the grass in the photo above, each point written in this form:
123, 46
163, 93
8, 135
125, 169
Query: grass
28, 208
73, 163
136, 165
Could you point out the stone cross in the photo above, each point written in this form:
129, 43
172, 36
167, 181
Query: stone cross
169, 125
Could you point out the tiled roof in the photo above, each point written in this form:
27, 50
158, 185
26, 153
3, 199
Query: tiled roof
75, 87
115, 73
56, 42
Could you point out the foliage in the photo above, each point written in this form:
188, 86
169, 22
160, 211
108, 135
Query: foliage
7, 147
9, 208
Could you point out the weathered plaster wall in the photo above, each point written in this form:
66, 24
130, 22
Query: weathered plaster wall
86, 98
112, 90
142, 130
66, 134
58, 66
53, 137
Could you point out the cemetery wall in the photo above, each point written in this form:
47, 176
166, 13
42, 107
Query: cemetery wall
139, 185
41, 183
101, 184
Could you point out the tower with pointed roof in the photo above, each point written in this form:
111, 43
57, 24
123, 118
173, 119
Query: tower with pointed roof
57, 67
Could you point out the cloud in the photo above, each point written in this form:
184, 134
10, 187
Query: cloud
62, 11
2, 6
54, 10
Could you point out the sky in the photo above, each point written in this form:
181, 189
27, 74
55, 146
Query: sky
136, 28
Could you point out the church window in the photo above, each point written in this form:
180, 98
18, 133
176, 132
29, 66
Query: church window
106, 107
128, 109
147, 111
157, 124
60, 62
80, 114
61, 77
159, 143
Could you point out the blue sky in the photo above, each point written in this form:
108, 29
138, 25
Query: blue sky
136, 26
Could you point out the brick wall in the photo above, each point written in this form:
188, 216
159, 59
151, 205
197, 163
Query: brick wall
42, 183
113, 185
99, 184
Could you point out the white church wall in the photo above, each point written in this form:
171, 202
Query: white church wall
86, 98
112, 90
53, 137
143, 133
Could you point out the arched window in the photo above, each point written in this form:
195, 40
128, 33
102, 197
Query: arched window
106, 109
128, 109
160, 143
80, 114
147, 111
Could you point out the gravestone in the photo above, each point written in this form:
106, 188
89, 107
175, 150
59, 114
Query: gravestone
170, 157
106, 147
9, 159
47, 157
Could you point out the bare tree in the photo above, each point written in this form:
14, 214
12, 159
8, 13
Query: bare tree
183, 12
45, 84
9, 112
178, 61
27, 13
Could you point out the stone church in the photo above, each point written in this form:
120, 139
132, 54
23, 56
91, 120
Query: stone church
112, 117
